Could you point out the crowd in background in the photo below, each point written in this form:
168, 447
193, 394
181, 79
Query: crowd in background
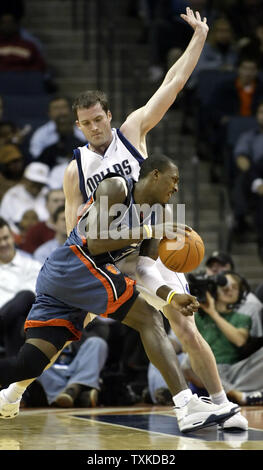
223, 98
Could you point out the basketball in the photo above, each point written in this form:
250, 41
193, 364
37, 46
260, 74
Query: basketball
182, 258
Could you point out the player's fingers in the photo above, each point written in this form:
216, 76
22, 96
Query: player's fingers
198, 17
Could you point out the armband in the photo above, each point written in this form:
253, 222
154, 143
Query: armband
170, 296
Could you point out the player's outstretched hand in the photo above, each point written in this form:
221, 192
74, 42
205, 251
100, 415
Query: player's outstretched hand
195, 20
185, 303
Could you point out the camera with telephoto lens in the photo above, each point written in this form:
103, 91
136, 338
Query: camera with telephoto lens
199, 284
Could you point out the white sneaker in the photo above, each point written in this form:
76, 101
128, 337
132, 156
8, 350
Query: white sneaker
237, 422
200, 412
8, 410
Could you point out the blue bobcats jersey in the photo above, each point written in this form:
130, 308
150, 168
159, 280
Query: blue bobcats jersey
131, 217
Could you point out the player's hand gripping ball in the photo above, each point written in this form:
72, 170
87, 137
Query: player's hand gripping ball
187, 257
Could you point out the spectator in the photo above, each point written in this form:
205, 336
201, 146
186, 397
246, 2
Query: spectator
61, 151
44, 250
11, 167
257, 188
29, 194
219, 262
244, 15
166, 31
220, 51
252, 44
227, 331
1, 108
233, 96
17, 9
248, 157
56, 176
28, 220
8, 133
47, 134
74, 380
168, 34
44, 231
18, 274
17, 53
259, 292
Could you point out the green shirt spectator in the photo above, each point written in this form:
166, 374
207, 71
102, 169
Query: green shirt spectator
224, 351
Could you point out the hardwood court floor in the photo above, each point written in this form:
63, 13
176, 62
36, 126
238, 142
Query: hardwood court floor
141, 427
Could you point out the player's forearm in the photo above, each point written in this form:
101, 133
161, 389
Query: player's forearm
150, 277
184, 66
105, 242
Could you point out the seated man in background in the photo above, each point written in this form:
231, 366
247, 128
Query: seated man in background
44, 231
28, 194
18, 274
44, 250
47, 134
11, 167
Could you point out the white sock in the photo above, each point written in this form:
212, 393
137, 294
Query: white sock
182, 398
219, 398
14, 392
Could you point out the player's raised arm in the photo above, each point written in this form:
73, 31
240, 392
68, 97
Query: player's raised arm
149, 115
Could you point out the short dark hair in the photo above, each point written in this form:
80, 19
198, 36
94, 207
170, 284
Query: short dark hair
4, 223
158, 162
89, 98
57, 212
58, 98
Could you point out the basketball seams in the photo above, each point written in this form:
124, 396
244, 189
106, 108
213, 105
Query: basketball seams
191, 254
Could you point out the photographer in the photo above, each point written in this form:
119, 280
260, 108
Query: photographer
227, 332
218, 263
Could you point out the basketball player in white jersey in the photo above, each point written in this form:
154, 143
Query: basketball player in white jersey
123, 151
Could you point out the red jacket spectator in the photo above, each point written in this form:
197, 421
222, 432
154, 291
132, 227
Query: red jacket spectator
17, 53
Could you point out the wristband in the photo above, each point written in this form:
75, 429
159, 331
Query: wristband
149, 231
170, 296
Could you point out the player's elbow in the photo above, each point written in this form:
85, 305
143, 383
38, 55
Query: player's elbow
179, 83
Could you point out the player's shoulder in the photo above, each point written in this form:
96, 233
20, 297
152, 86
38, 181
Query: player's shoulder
115, 187
71, 175
71, 169
132, 120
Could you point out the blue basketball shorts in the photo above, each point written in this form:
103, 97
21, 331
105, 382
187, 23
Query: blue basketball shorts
72, 283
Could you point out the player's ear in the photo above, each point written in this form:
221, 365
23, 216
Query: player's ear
77, 123
109, 115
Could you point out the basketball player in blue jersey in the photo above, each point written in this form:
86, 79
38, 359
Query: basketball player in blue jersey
123, 151
81, 276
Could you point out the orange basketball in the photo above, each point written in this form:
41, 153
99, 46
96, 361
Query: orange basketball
182, 257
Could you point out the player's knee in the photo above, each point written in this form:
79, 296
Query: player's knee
153, 320
31, 362
190, 337
28, 364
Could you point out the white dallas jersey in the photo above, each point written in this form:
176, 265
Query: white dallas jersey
123, 158
120, 157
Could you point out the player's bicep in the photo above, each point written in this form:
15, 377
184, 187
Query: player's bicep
158, 105
73, 196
